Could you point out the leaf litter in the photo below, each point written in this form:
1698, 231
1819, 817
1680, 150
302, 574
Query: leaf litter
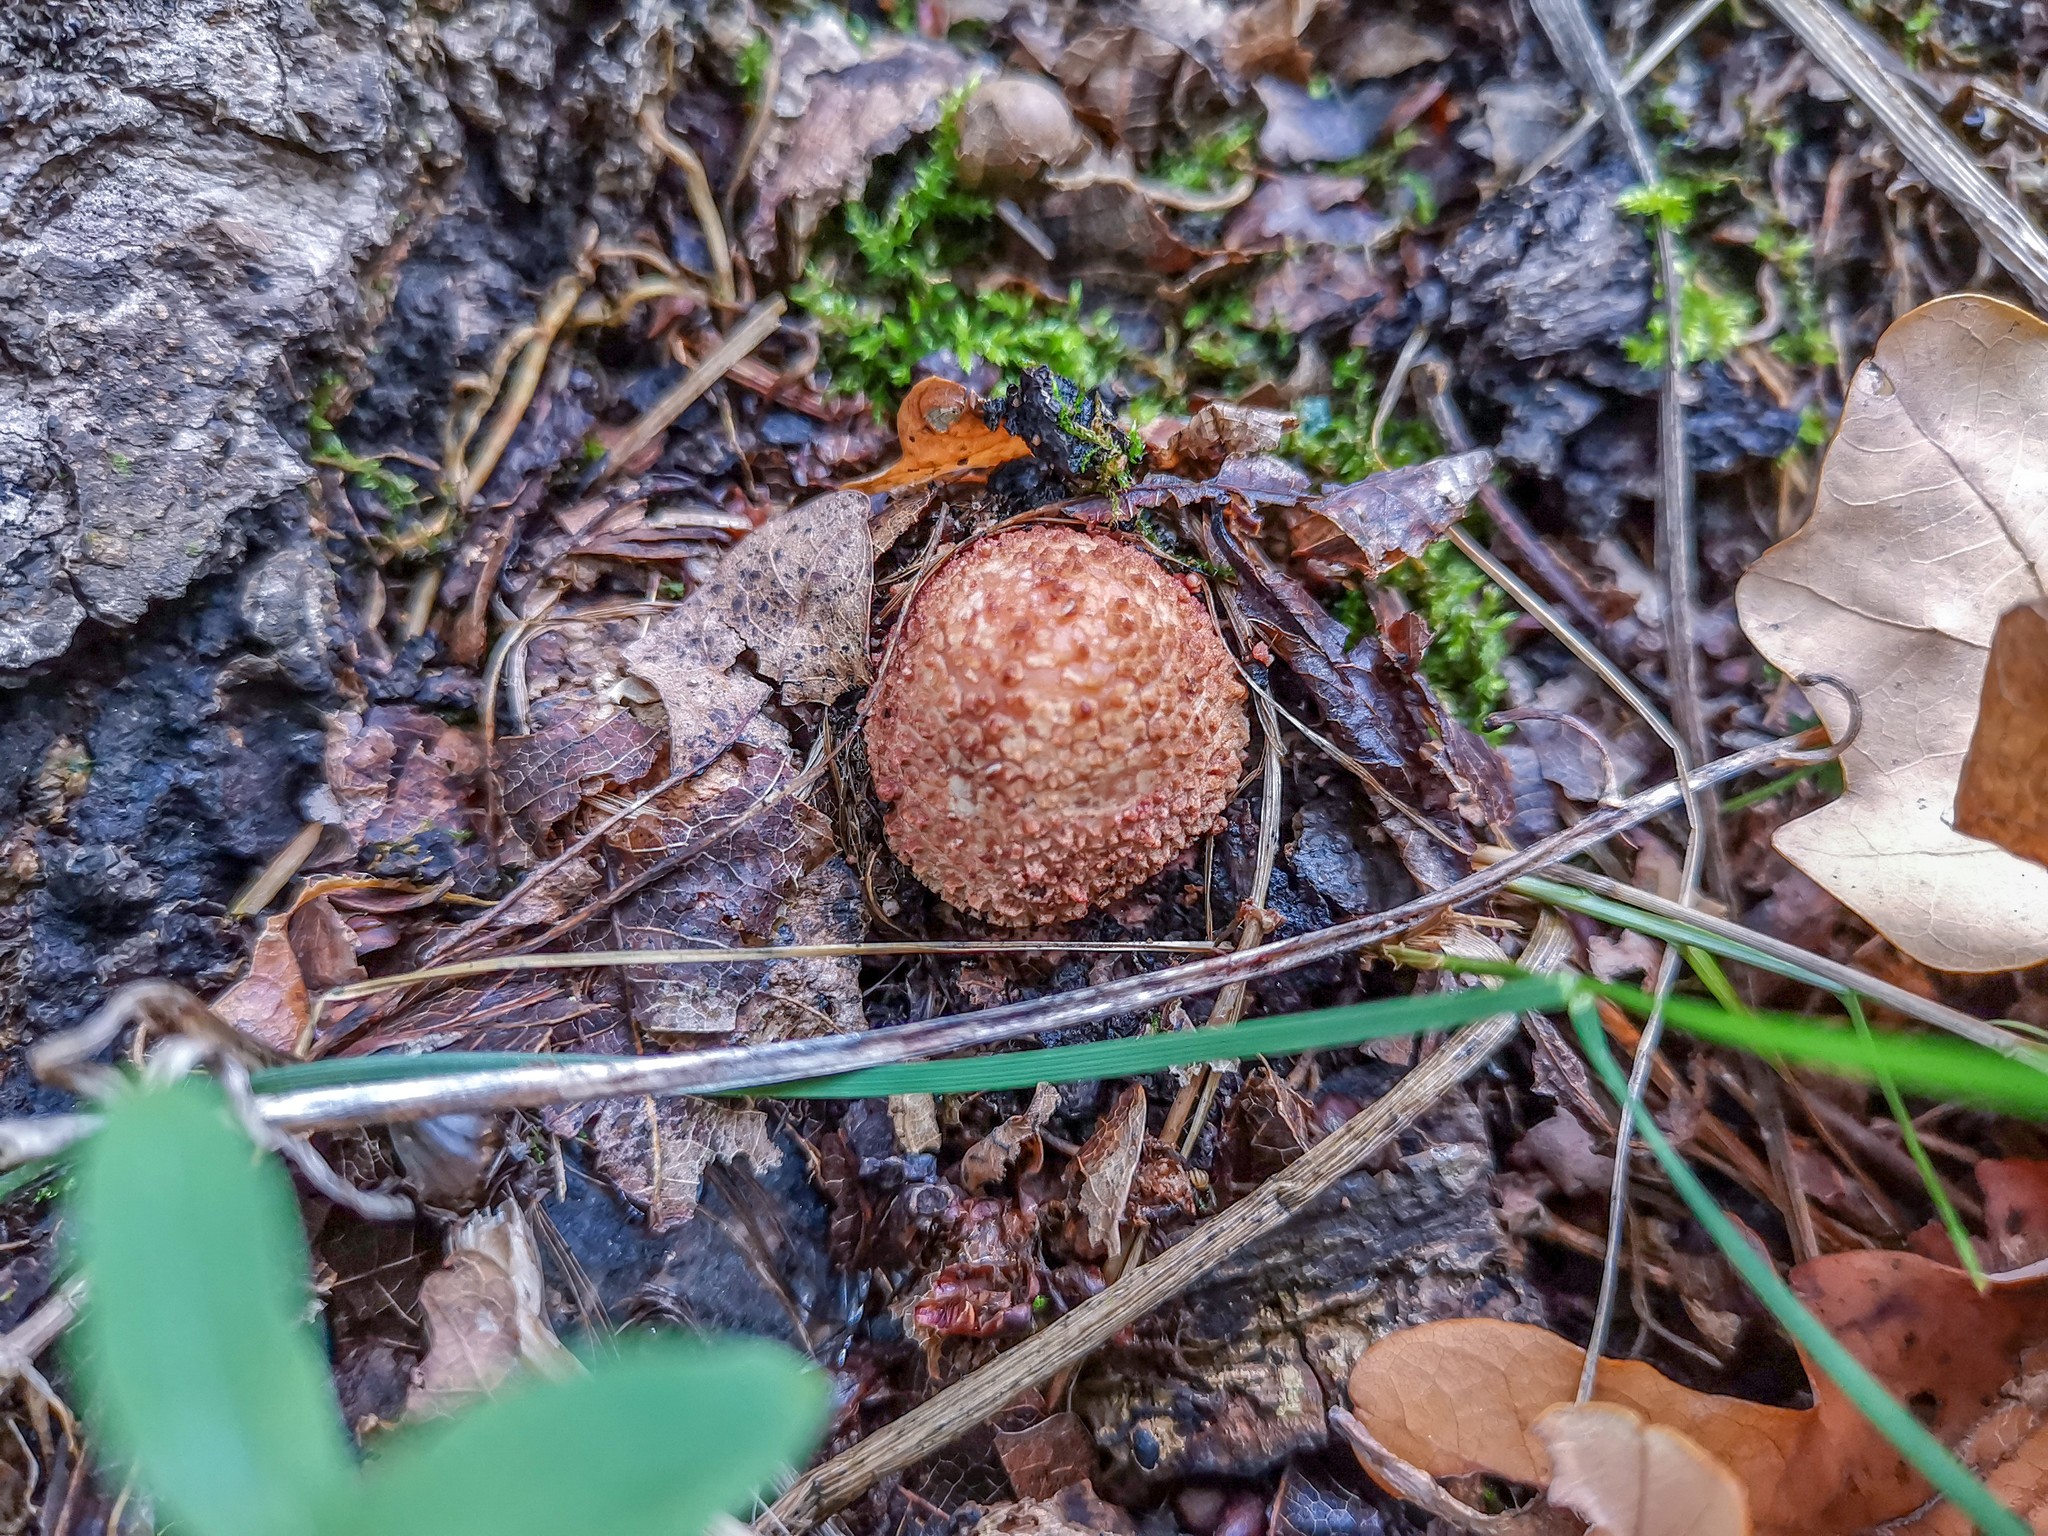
634, 697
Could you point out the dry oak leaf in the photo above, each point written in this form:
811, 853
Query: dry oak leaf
2003, 796
1628, 1477
1464, 1396
1928, 524
795, 592
941, 432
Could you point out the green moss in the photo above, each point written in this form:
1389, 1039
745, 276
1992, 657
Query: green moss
1469, 618
884, 294
750, 66
1334, 440
399, 492
1209, 161
1673, 199
1712, 323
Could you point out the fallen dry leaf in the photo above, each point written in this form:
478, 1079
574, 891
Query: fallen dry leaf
988, 1162
1219, 432
1463, 1396
1392, 516
1012, 128
655, 1152
2003, 796
796, 593
1928, 525
486, 1314
269, 1004
828, 127
580, 744
1628, 1477
1056, 1452
940, 429
1107, 1163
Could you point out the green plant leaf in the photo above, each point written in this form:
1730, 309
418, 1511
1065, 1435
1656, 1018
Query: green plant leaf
199, 1368
658, 1438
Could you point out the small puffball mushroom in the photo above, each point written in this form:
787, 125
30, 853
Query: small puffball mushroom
1057, 721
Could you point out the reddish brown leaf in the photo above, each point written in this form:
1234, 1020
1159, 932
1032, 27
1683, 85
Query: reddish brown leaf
582, 744
1463, 1396
1052, 1454
2003, 794
269, 1004
989, 1161
1392, 516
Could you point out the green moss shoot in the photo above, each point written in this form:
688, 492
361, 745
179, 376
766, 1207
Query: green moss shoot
883, 291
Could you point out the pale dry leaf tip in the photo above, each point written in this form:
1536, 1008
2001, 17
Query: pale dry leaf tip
1931, 520
1628, 1477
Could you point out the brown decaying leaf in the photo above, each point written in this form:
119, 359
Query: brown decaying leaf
1056, 1452
1073, 1511
581, 743
655, 1151
730, 896
988, 1162
796, 593
1392, 516
1628, 1477
407, 783
269, 1004
1012, 128
1928, 524
486, 1314
819, 151
300, 952
1460, 1397
1107, 1163
941, 432
2003, 795
1219, 432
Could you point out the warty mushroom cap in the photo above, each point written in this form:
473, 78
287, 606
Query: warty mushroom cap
1057, 720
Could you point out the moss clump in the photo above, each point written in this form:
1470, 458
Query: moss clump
1210, 161
1711, 323
1334, 440
883, 292
399, 492
1468, 618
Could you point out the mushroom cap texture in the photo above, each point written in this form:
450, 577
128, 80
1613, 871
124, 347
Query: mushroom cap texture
1058, 721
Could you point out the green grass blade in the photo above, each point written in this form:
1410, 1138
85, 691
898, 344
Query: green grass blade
1927, 1455
1938, 1066
1287, 1035
1951, 1219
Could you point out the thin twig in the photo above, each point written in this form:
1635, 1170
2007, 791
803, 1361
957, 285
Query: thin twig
471, 474
702, 203
938, 1420
590, 959
1682, 27
1571, 35
1229, 1006
759, 324
1431, 378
